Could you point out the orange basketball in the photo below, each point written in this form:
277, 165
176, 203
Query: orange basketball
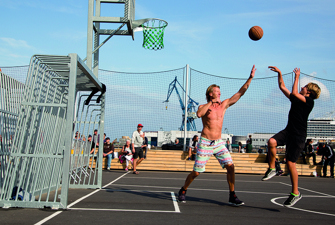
255, 33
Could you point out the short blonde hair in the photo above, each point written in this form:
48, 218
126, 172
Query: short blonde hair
314, 90
210, 90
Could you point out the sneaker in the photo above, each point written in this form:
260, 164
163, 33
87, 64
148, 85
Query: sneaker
189, 158
292, 200
126, 169
108, 168
269, 174
233, 200
182, 195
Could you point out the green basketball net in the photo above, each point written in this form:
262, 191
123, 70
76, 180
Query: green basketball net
153, 33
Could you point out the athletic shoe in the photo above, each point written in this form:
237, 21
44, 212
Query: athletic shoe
269, 174
182, 195
292, 200
126, 169
233, 200
108, 168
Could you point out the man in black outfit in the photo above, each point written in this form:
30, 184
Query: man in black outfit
294, 135
328, 155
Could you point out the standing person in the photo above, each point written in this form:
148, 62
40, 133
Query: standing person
108, 152
193, 147
249, 145
137, 143
212, 114
250, 139
145, 145
328, 155
294, 135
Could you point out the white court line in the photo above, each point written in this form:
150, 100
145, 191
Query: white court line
175, 204
309, 190
198, 179
200, 189
75, 202
124, 210
304, 210
323, 195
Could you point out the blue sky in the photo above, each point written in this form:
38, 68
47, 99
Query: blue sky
210, 36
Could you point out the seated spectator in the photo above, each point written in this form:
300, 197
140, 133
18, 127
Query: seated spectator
96, 137
229, 146
77, 143
127, 153
108, 152
240, 148
193, 147
308, 151
90, 144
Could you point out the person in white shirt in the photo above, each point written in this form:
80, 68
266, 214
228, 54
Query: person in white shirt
137, 145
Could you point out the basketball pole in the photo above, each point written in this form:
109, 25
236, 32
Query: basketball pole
185, 110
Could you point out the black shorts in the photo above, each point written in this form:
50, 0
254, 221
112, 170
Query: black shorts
294, 144
138, 153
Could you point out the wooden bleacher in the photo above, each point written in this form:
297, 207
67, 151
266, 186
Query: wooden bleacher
247, 163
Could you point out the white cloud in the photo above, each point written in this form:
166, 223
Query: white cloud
313, 74
16, 43
325, 94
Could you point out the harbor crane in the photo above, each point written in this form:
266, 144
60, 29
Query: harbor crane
191, 106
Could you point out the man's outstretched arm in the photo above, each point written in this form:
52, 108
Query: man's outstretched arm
295, 91
281, 83
243, 89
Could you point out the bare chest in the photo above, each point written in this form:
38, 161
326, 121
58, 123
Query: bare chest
215, 113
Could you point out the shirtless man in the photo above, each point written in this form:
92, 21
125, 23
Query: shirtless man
210, 142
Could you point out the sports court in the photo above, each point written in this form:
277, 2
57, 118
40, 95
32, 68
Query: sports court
150, 198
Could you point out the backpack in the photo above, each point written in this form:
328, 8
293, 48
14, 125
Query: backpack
121, 158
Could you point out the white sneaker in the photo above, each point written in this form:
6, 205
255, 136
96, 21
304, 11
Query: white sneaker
108, 168
292, 200
269, 174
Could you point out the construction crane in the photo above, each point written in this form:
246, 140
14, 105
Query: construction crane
191, 106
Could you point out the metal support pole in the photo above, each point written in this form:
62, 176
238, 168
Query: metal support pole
185, 110
90, 34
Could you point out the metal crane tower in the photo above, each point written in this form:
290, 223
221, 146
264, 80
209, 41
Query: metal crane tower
191, 106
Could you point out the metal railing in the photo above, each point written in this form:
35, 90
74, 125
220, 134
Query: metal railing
39, 166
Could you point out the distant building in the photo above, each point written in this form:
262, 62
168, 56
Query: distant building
259, 139
321, 128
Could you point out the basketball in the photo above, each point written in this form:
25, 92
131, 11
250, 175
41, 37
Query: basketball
255, 33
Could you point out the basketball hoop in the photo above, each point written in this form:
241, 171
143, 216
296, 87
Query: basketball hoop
153, 33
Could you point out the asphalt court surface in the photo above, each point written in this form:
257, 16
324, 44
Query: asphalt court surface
150, 198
